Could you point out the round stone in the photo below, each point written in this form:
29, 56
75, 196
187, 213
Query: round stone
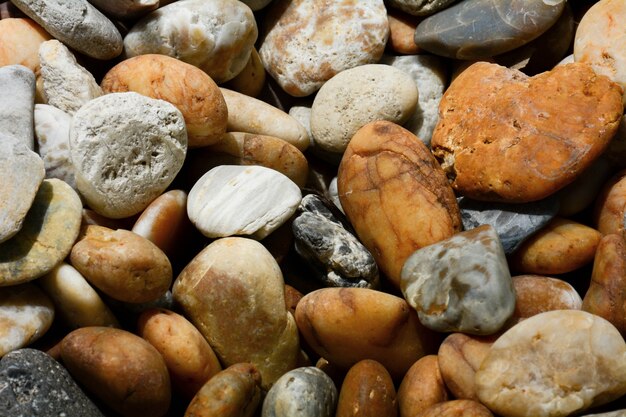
368, 387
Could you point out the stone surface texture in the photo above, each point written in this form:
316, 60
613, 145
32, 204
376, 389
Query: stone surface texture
17, 101
52, 131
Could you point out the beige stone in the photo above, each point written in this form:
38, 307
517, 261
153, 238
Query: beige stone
19, 42
422, 386
251, 80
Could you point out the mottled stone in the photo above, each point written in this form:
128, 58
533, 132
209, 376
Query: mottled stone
476, 29
513, 223
455, 408
553, 364
17, 102
460, 284
367, 391
19, 42
421, 387
125, 9
47, 235
305, 392
33, 384
52, 131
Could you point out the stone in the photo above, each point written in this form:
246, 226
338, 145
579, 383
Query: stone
333, 194
26, 314
19, 42
251, 115
188, 88
402, 203
456, 408
367, 390
77, 24
528, 371
421, 387
420, 7
216, 36
513, 151
610, 205
242, 200
52, 131
478, 29
22, 172
75, 301
122, 264
251, 80
233, 292
347, 325
256, 4
580, 194
235, 391
616, 152
460, 284
122, 370
309, 42
618, 413
513, 223
126, 149
305, 392
357, 96
302, 113
561, 246
47, 235
66, 85
35, 385
401, 30
125, 9
17, 101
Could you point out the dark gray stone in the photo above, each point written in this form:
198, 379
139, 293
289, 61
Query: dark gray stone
514, 223
33, 384
478, 29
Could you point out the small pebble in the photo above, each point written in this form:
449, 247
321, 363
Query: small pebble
401, 32
17, 101
421, 387
367, 390
52, 131
19, 42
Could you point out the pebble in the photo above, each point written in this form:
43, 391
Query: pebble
47, 235
126, 9
52, 131
26, 314
308, 42
456, 408
302, 392
216, 36
610, 205
126, 149
367, 390
420, 7
77, 24
251, 80
34, 384
478, 29
17, 101
401, 30
242, 200
421, 387
19, 42
528, 370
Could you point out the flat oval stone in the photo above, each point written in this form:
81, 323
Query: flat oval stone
77, 24
126, 149
17, 101
367, 390
52, 131
19, 42
610, 205
521, 143
528, 370
34, 384
478, 29
242, 200
310, 41
420, 7
421, 387
305, 392
26, 314
460, 284
455, 408
47, 235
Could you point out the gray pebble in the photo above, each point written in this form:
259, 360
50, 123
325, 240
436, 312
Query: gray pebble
17, 101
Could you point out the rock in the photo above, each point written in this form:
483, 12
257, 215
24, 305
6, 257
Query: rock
616, 152
512, 151
26, 314
305, 392
610, 205
233, 292
47, 235
17, 101
122, 264
421, 387
126, 149
256, 4
216, 36
357, 96
124, 371
513, 223
188, 88
22, 172
403, 203
528, 370
242, 200
479, 29
52, 131
125, 9
66, 85
455, 408
251, 80
35, 385
460, 284
420, 7
309, 42
401, 30
333, 194
367, 390
19, 42
77, 24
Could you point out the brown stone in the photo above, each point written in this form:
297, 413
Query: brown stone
395, 195
401, 32
457, 408
421, 387
292, 298
503, 136
611, 205
19, 42
367, 390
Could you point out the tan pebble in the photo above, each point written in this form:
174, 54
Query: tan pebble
124, 371
251, 80
457, 408
292, 298
401, 32
122, 264
19, 42
234, 392
189, 358
367, 390
561, 246
611, 205
421, 387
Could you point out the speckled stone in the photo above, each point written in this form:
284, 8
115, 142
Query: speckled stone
513, 222
335, 255
33, 384
17, 84
476, 29
461, 284
302, 392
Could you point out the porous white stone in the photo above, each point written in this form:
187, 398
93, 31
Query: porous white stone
52, 130
17, 98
